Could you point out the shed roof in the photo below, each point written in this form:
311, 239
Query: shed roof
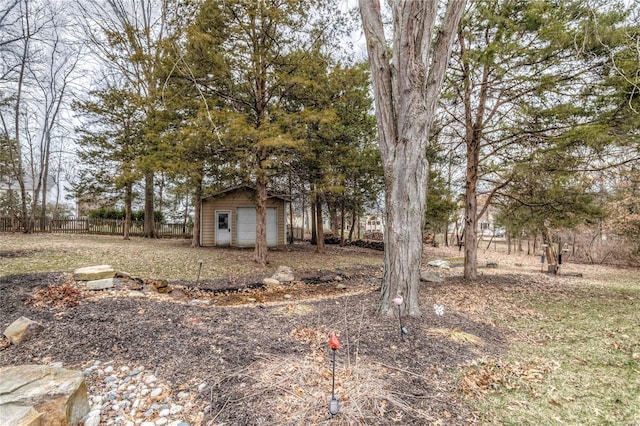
235, 188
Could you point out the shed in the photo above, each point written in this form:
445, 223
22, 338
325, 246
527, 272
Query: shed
228, 219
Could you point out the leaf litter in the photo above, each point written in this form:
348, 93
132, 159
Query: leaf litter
268, 361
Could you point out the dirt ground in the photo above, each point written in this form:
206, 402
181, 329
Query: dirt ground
263, 352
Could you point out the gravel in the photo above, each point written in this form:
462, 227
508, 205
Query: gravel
129, 395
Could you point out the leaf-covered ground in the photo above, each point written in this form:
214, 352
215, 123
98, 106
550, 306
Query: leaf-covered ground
517, 346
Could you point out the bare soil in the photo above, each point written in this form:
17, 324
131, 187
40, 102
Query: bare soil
263, 352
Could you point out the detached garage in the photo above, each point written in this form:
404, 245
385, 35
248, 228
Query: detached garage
229, 219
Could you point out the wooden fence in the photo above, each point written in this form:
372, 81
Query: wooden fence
97, 226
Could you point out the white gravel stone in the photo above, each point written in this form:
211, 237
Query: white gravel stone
149, 379
119, 398
156, 393
92, 418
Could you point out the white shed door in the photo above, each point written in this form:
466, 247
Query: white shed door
246, 226
272, 227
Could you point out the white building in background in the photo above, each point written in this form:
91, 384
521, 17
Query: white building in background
10, 186
374, 223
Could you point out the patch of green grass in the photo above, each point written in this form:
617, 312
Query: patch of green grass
592, 334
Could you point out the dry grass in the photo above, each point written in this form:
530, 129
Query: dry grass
169, 259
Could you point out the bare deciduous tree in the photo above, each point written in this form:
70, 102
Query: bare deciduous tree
38, 65
406, 87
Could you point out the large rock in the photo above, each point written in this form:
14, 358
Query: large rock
284, 274
39, 395
101, 284
13, 414
440, 264
22, 329
270, 282
91, 273
431, 277
158, 286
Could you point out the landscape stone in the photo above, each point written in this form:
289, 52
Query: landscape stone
431, 277
22, 329
341, 286
90, 273
158, 286
284, 274
440, 264
14, 414
270, 282
122, 274
102, 284
55, 396
92, 418
133, 283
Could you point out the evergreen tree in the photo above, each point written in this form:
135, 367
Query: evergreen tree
253, 50
519, 68
111, 142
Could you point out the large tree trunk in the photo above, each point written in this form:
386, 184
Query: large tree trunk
149, 214
404, 206
406, 88
260, 254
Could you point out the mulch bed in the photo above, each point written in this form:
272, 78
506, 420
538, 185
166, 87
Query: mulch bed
267, 361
